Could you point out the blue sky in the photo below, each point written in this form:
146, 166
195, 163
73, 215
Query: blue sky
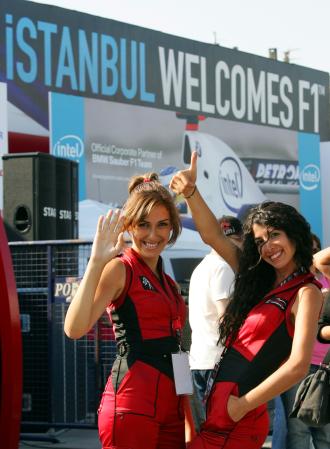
301, 27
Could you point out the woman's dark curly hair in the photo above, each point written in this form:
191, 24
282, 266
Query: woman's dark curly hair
255, 277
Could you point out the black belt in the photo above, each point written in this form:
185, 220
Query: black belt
155, 352
159, 348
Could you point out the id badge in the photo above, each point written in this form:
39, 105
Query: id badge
182, 374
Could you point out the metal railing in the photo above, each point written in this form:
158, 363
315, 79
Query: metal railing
62, 378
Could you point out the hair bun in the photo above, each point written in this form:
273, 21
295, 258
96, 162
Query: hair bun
142, 179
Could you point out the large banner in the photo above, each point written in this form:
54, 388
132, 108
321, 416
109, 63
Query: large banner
239, 164
127, 100
47, 48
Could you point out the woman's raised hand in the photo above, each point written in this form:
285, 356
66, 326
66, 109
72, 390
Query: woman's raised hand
109, 240
184, 181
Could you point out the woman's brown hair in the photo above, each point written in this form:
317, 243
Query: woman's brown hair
145, 192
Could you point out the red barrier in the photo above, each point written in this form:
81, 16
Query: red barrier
11, 350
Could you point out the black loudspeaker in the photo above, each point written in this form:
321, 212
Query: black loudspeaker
40, 197
63, 199
29, 210
66, 199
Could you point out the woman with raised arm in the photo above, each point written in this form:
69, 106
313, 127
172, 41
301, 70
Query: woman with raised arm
270, 324
139, 408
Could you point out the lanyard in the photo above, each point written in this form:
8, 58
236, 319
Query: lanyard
213, 375
291, 276
177, 329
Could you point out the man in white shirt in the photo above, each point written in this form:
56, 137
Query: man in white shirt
210, 287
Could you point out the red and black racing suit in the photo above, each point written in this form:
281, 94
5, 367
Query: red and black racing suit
139, 407
262, 345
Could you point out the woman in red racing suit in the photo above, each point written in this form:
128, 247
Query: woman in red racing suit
139, 408
270, 324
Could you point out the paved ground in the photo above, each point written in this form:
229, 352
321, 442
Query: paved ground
77, 439
65, 439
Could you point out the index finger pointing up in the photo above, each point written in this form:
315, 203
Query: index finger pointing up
193, 164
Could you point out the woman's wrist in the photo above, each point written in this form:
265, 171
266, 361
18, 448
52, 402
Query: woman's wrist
244, 404
191, 194
96, 262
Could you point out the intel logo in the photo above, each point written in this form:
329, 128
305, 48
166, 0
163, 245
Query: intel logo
310, 177
69, 146
231, 183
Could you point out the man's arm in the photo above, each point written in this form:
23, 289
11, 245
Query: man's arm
321, 261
